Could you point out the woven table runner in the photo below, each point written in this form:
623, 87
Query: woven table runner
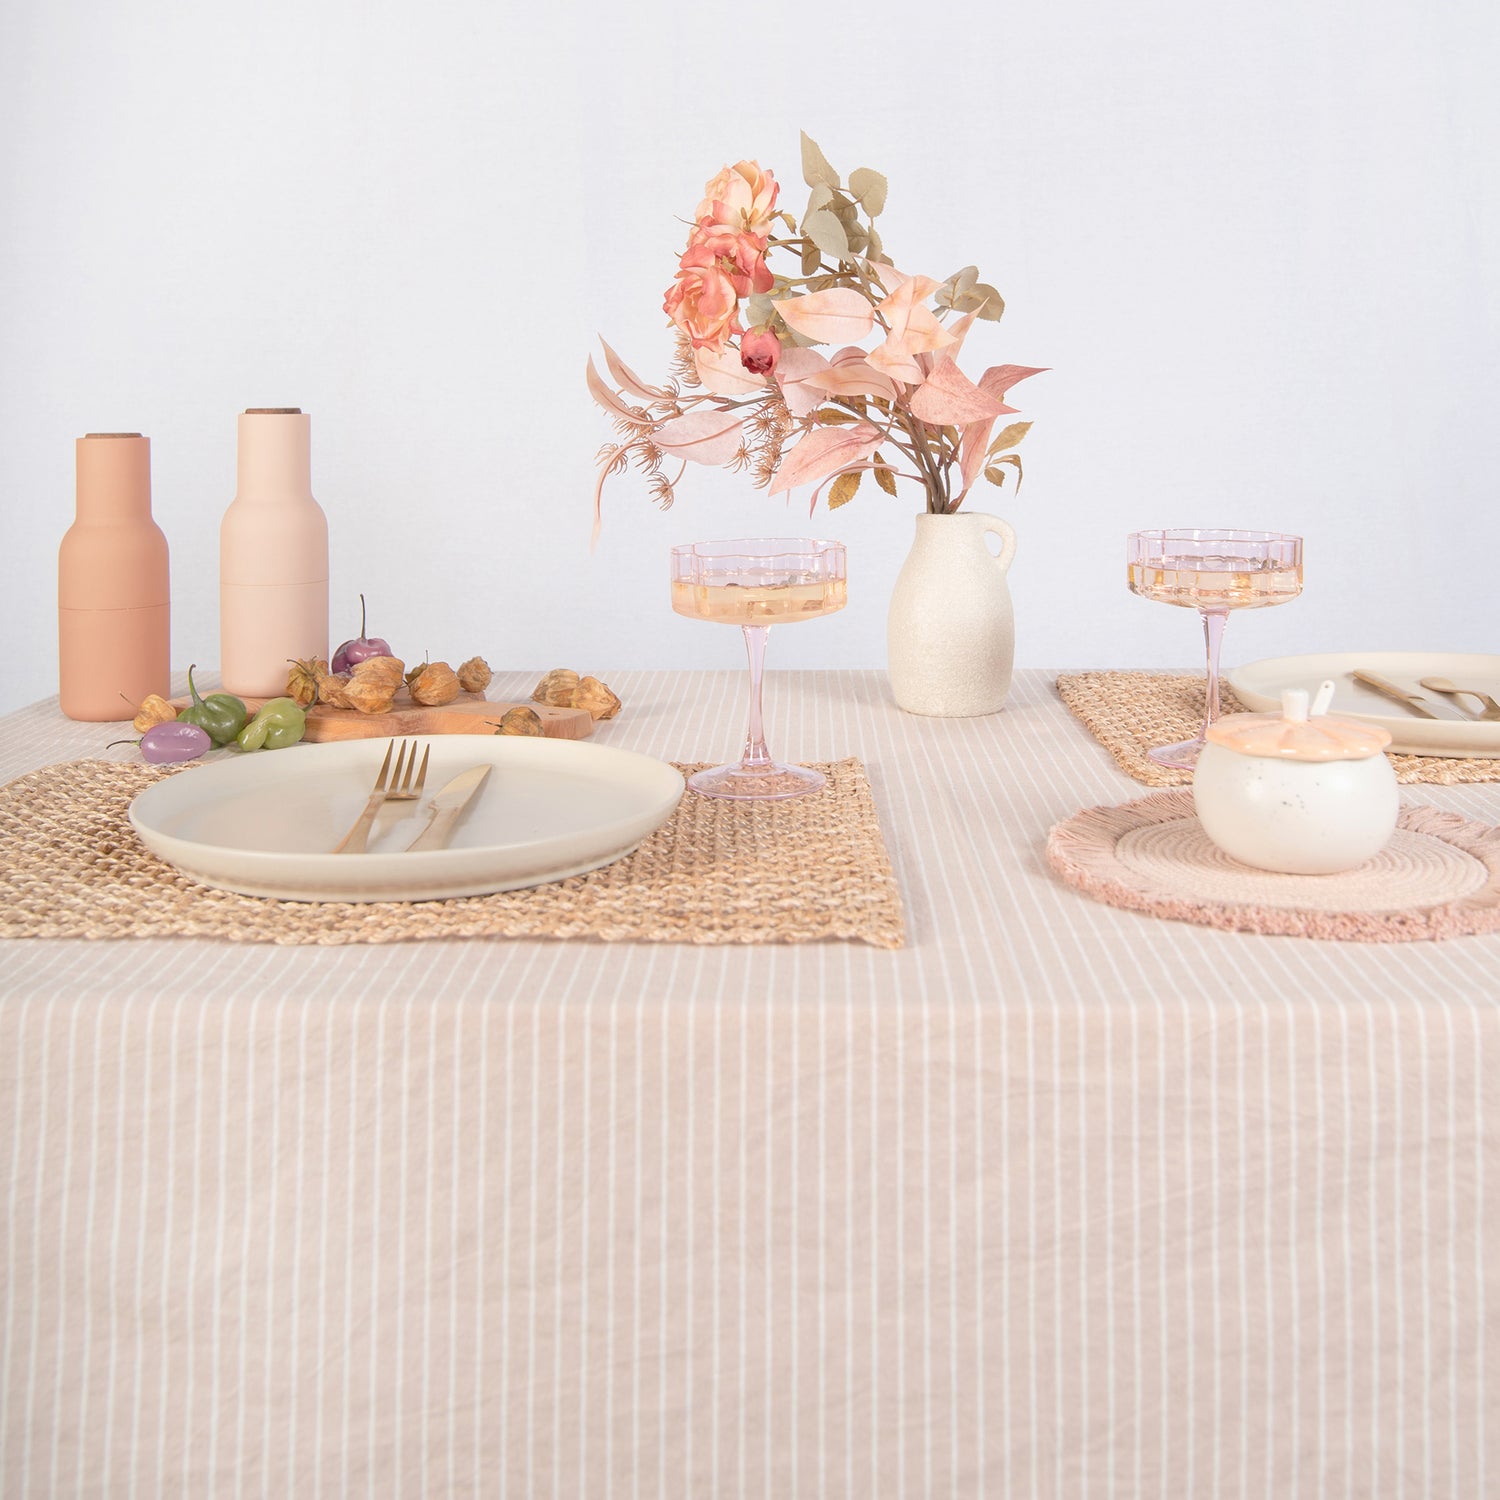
1130, 712
717, 872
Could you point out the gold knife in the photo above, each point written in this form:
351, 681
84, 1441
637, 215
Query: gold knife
1409, 701
446, 807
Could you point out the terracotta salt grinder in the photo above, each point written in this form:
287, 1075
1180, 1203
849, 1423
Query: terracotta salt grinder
273, 557
113, 590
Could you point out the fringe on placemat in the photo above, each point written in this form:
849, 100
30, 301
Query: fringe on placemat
1082, 851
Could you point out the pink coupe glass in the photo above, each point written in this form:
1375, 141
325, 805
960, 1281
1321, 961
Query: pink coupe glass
1212, 571
757, 584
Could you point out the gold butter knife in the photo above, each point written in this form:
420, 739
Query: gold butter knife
1411, 702
446, 807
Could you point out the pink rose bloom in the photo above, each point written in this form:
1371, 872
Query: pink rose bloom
741, 199
703, 302
759, 351
741, 257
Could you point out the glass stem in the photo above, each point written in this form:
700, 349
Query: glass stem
1213, 636
756, 756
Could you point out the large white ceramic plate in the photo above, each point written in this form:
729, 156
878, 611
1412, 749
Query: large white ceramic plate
1259, 687
263, 824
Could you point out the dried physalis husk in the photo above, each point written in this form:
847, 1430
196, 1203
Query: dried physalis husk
594, 696
432, 686
378, 671
154, 710
474, 675
556, 688
302, 681
520, 721
369, 695
332, 688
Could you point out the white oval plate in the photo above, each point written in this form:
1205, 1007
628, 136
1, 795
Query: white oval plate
1259, 687
263, 824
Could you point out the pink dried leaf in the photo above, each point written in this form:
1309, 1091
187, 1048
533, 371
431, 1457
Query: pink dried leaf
795, 371
627, 379
948, 398
834, 316
609, 400
854, 377
998, 379
704, 437
894, 359
825, 451
960, 331
722, 373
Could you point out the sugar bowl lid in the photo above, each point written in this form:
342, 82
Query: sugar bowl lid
1297, 734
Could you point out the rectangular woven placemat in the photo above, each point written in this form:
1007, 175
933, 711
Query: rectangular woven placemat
1130, 712
717, 872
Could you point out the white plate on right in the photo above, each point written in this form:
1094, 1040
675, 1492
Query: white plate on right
1259, 687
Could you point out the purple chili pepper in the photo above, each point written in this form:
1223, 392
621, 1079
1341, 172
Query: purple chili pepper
361, 648
170, 743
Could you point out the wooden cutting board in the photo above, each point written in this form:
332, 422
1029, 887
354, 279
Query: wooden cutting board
469, 713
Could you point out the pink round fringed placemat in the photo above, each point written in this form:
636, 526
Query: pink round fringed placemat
1439, 876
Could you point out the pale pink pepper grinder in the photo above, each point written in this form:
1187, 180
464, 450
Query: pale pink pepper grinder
273, 557
113, 593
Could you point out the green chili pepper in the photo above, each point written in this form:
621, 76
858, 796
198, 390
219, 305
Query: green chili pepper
278, 724
220, 715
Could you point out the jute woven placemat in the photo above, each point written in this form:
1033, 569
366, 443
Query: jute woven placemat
1439, 877
716, 872
1130, 712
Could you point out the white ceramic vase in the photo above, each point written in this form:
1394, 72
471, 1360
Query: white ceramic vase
950, 634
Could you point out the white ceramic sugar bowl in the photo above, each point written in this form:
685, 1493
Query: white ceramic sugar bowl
1298, 793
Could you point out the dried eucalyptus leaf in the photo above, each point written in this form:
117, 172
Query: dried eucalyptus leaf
876, 249
812, 258
831, 416
963, 280
858, 238
884, 476
825, 231
869, 187
996, 477
758, 309
820, 197
990, 307
815, 168
1013, 459
841, 491
1010, 437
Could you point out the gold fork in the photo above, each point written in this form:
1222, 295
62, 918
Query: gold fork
399, 788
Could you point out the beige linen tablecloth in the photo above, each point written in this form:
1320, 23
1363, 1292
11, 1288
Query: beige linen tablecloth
1059, 1201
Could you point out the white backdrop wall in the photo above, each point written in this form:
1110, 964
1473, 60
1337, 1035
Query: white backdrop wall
1258, 246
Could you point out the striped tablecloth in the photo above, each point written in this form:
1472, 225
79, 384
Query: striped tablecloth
1058, 1201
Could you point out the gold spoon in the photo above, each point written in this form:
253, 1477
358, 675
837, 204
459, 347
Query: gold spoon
1443, 685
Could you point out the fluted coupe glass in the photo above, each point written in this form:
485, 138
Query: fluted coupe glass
1212, 571
756, 584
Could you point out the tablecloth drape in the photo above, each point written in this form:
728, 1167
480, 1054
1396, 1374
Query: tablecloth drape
1057, 1201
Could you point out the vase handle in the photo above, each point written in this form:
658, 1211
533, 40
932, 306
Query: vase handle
1007, 537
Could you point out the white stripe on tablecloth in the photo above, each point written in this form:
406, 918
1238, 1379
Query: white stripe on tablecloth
35, 1343
142, 1254
12, 1221
86, 1359
64, 1302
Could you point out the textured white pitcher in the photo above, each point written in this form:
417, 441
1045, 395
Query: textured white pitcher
950, 634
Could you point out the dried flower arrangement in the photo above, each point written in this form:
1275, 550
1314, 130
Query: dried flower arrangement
747, 378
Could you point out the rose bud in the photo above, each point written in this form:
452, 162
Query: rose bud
759, 351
